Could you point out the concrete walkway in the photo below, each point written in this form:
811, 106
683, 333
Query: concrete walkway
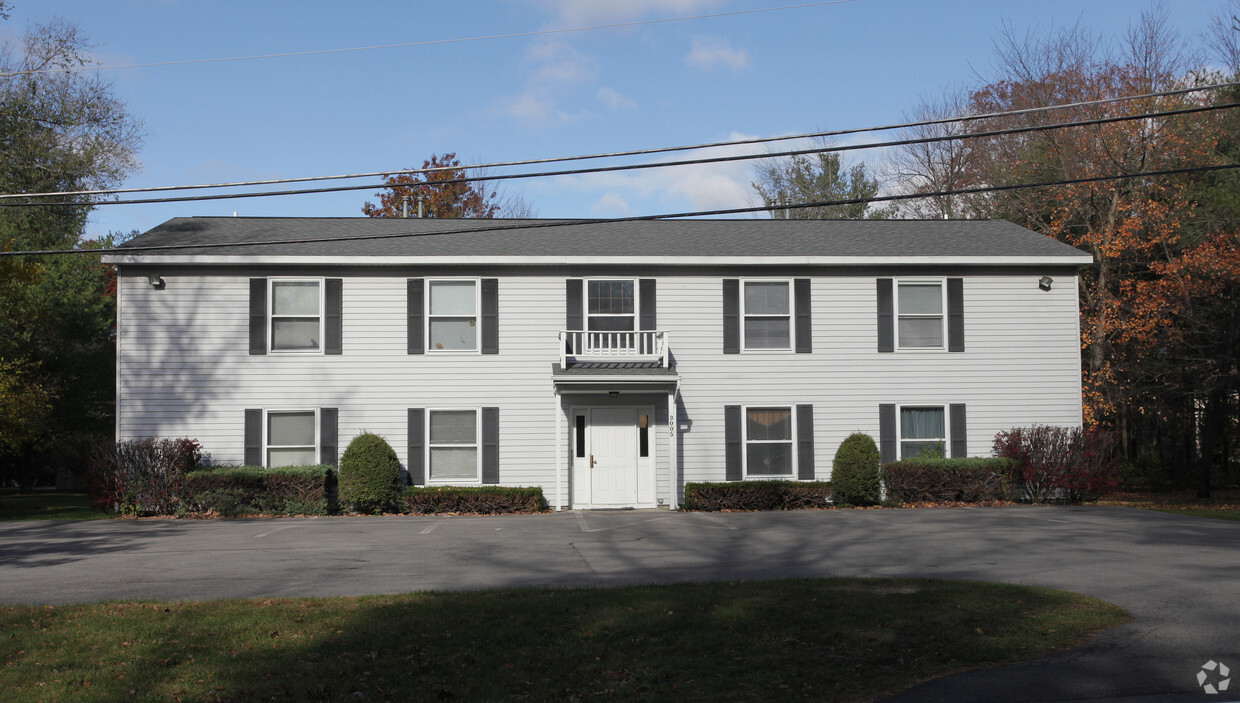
1179, 576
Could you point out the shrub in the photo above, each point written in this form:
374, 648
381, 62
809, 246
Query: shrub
480, 500
252, 490
756, 495
854, 471
1061, 464
947, 480
141, 476
369, 475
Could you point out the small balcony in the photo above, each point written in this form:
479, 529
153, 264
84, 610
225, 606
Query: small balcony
648, 346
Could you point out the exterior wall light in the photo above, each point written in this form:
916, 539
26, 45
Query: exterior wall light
155, 281
1045, 282
613, 394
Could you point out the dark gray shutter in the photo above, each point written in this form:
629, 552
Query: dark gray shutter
886, 317
732, 317
254, 437
417, 447
572, 305
333, 304
805, 442
414, 301
804, 326
490, 445
646, 295
329, 424
887, 449
960, 444
955, 314
732, 442
490, 316
258, 316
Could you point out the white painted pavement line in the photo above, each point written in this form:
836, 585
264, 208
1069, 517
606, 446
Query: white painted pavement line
581, 521
429, 528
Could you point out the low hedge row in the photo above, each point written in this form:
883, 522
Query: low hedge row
971, 480
252, 490
756, 495
480, 500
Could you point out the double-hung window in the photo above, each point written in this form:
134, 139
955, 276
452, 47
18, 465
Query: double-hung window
922, 429
296, 315
453, 445
767, 314
611, 305
292, 438
768, 442
919, 306
452, 319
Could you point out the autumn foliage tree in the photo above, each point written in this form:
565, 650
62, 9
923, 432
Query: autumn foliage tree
443, 192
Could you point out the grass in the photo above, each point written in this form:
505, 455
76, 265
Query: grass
1222, 505
829, 639
48, 505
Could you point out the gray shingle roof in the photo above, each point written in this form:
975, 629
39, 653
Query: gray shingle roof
316, 236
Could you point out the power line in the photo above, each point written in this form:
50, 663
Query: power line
526, 225
618, 154
632, 167
431, 42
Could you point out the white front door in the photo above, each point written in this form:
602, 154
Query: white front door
613, 456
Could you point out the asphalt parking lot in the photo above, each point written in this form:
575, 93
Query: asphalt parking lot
1179, 576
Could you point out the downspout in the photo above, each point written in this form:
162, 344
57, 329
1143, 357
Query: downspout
559, 453
673, 460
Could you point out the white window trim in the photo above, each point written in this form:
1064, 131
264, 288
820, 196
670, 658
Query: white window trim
792, 439
792, 305
947, 428
585, 304
279, 411
895, 318
271, 304
477, 445
426, 322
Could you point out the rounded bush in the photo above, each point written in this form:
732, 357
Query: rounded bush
854, 472
369, 475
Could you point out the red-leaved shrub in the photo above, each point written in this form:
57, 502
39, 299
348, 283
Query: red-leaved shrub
1061, 464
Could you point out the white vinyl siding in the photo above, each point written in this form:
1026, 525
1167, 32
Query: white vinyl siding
184, 368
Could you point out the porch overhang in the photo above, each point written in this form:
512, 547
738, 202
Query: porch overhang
606, 377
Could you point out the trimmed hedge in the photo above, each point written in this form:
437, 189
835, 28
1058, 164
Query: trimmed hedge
253, 490
854, 471
480, 500
756, 495
971, 480
369, 475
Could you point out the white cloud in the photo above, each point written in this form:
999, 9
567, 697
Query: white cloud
710, 52
588, 12
611, 205
560, 64
613, 100
528, 107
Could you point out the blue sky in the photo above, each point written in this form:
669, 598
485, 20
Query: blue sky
849, 64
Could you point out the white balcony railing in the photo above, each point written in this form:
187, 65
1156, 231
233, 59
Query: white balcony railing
646, 345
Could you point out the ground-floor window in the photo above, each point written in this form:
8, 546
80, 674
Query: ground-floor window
453, 446
291, 438
768, 442
922, 430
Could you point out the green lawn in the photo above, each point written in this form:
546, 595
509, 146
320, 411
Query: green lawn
47, 505
831, 640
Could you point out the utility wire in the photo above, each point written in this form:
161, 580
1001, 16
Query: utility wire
432, 42
632, 167
618, 154
527, 225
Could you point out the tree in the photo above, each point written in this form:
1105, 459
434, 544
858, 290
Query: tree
805, 178
59, 130
441, 197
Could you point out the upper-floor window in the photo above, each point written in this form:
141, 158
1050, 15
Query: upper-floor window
923, 429
767, 314
452, 319
611, 305
768, 442
920, 319
296, 314
291, 438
